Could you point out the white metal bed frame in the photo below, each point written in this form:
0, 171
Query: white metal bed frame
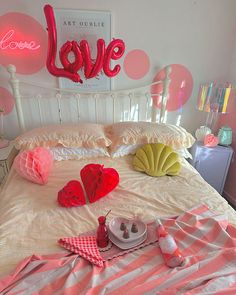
145, 92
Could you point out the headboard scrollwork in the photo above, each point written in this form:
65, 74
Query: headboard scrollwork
118, 105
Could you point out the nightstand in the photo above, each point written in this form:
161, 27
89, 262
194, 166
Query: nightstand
212, 163
7, 156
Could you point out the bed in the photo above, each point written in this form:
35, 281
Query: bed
32, 221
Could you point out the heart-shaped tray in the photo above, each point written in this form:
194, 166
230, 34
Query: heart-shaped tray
127, 245
114, 227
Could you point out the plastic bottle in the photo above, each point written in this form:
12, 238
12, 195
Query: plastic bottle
102, 232
170, 251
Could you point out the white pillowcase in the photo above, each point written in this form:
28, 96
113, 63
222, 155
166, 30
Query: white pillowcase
124, 150
86, 135
126, 133
66, 153
184, 153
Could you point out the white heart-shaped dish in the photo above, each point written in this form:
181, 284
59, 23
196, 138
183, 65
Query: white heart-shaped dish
114, 227
127, 245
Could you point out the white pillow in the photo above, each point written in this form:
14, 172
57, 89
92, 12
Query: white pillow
128, 149
126, 133
66, 153
123, 150
86, 135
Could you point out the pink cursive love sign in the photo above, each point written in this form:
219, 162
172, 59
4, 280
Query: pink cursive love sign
8, 42
22, 42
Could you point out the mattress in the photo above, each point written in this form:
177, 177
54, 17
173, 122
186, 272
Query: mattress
31, 220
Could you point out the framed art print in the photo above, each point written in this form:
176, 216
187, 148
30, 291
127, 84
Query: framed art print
80, 25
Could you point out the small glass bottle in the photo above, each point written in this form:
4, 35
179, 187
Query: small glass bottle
102, 233
170, 251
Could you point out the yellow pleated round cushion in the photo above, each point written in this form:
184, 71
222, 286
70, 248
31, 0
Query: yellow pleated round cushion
156, 159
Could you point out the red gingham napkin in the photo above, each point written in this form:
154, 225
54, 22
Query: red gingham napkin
85, 246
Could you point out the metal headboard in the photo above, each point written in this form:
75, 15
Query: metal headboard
142, 94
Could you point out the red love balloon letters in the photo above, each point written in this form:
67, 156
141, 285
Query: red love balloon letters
101, 49
86, 58
90, 70
112, 53
82, 55
52, 48
63, 53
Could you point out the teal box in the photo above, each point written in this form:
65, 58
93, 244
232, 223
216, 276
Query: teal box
225, 135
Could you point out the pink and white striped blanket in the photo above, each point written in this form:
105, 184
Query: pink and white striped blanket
207, 241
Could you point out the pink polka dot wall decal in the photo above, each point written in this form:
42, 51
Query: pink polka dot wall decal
6, 101
180, 88
136, 64
23, 42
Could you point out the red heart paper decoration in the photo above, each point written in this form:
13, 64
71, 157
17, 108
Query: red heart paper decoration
98, 181
71, 195
211, 140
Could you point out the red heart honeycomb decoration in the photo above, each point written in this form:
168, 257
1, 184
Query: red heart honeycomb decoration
34, 165
71, 195
98, 181
210, 140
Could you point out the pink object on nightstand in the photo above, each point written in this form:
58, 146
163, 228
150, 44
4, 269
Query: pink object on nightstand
211, 140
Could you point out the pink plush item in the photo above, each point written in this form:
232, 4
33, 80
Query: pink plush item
210, 140
34, 165
72, 195
98, 181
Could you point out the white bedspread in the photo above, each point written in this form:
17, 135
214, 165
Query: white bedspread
31, 221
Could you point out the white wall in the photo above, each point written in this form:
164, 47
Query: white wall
196, 33
229, 120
